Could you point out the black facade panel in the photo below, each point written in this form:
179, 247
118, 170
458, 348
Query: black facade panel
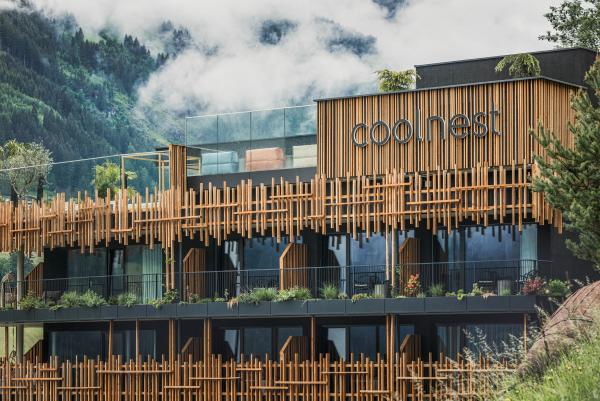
568, 65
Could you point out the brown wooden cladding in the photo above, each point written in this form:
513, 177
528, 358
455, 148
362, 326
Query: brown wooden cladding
217, 380
523, 104
393, 201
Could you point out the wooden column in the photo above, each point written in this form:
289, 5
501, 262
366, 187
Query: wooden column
137, 339
110, 338
6, 339
172, 340
313, 338
20, 328
206, 339
390, 349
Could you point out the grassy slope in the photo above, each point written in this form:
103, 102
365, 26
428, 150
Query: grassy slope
575, 377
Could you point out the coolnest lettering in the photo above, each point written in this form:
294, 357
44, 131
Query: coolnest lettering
477, 122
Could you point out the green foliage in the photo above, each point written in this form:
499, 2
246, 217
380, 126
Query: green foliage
69, 299
460, 294
329, 291
436, 290
505, 292
127, 299
390, 81
570, 179
293, 294
91, 299
520, 65
575, 23
572, 377
74, 95
476, 291
170, 296
558, 288
107, 176
358, 297
26, 165
31, 301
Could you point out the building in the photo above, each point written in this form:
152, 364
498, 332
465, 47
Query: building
387, 198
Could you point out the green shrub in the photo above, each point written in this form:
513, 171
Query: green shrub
520, 65
558, 288
127, 299
436, 290
169, 297
265, 294
460, 294
357, 297
505, 292
197, 299
92, 300
342, 295
329, 291
476, 291
31, 301
69, 299
293, 294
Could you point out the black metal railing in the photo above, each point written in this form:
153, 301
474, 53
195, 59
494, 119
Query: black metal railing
502, 277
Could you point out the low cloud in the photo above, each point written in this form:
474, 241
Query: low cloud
237, 55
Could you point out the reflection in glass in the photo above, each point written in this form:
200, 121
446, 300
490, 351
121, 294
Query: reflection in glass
257, 341
336, 342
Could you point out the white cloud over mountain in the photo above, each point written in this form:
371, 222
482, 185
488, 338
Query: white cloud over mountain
263, 53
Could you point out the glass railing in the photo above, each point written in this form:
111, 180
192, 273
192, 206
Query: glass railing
148, 169
260, 140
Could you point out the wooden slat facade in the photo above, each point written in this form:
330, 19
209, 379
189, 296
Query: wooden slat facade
217, 380
522, 104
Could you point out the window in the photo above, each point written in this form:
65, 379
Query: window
231, 342
258, 342
82, 266
283, 333
368, 340
453, 339
77, 344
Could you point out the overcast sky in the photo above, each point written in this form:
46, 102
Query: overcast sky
253, 54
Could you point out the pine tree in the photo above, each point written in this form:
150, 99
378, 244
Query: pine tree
570, 179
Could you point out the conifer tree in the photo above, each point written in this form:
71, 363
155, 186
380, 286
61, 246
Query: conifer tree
570, 179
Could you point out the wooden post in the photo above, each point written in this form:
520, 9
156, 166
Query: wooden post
137, 339
6, 339
172, 341
313, 338
122, 173
110, 338
206, 339
20, 328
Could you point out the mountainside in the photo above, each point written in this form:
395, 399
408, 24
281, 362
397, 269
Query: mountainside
73, 94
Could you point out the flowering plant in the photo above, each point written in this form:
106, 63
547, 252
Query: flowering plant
533, 286
413, 285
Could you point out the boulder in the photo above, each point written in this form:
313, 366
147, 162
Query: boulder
563, 329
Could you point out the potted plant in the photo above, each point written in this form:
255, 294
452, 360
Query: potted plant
365, 304
129, 307
255, 302
164, 307
195, 306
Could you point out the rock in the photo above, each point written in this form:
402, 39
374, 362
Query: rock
564, 328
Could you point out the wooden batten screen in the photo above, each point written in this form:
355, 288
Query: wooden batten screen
294, 347
395, 200
292, 259
178, 167
522, 104
34, 279
408, 255
214, 379
194, 264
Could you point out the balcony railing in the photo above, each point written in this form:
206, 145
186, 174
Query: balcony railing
503, 277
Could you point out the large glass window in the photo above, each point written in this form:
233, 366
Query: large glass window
261, 262
283, 333
82, 266
258, 341
68, 345
455, 338
367, 340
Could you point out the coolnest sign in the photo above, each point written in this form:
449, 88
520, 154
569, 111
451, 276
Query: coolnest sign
459, 125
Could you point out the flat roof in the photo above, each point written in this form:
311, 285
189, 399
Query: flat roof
451, 86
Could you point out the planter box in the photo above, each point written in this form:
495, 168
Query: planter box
445, 305
66, 314
220, 309
523, 303
132, 312
86, 313
366, 307
44, 315
326, 307
8, 315
289, 308
407, 306
262, 309
489, 304
109, 312
167, 311
192, 310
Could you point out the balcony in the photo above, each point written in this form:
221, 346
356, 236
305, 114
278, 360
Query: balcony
504, 278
